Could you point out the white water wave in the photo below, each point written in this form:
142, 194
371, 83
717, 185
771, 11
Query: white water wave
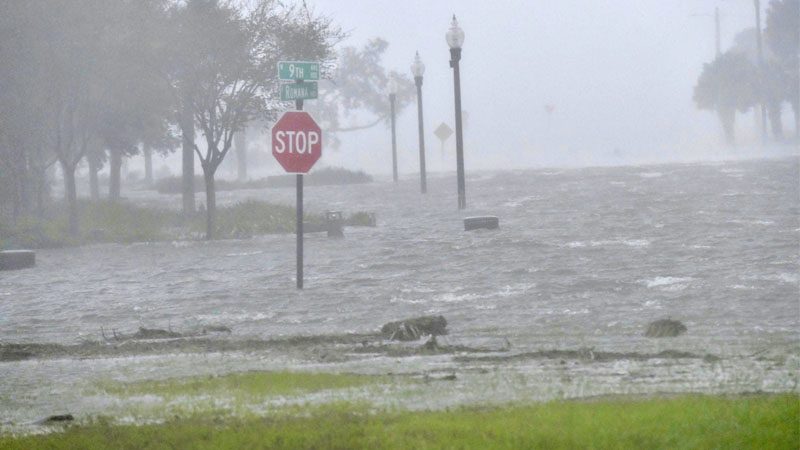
608, 242
668, 283
651, 174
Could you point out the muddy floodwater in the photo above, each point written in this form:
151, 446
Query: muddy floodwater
553, 304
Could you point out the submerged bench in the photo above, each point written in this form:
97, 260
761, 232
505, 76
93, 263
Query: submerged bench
17, 259
487, 222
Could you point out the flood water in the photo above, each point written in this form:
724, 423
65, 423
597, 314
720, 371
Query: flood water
584, 258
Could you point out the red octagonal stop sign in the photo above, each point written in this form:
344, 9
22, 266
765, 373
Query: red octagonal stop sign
296, 141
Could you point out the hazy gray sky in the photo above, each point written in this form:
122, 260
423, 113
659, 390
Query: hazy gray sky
620, 74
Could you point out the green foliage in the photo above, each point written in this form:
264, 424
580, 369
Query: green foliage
727, 84
246, 384
745, 422
327, 176
359, 84
730, 82
123, 222
361, 219
103, 222
782, 32
322, 177
250, 218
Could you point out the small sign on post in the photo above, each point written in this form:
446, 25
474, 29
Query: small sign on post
296, 137
443, 132
302, 90
298, 70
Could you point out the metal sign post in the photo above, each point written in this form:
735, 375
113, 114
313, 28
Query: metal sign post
296, 137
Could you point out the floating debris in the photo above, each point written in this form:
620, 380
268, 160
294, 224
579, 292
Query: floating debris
56, 419
665, 328
155, 333
414, 328
216, 329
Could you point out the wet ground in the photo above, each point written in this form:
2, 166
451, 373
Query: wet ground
553, 304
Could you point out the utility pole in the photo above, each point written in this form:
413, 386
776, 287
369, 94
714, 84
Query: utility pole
392, 99
716, 23
757, 4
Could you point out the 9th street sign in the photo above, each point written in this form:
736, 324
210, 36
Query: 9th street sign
298, 70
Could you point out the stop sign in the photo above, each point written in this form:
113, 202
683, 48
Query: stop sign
296, 141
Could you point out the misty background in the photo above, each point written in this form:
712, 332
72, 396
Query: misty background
620, 75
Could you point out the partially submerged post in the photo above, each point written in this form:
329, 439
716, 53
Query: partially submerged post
296, 137
334, 224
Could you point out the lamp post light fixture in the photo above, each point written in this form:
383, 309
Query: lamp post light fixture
392, 100
418, 69
455, 39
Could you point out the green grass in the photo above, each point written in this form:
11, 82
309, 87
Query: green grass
249, 218
124, 222
757, 422
244, 384
101, 221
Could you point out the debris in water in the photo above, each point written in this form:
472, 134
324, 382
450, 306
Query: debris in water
665, 328
431, 344
155, 333
57, 418
217, 329
414, 328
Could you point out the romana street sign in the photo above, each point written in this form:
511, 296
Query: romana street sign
298, 70
304, 90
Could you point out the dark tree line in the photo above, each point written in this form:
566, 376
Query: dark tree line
95, 81
738, 79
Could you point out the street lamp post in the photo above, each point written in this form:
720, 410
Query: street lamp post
455, 39
392, 99
418, 69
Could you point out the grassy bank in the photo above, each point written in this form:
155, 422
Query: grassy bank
245, 384
758, 422
124, 222
327, 176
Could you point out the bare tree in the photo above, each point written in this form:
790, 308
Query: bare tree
233, 77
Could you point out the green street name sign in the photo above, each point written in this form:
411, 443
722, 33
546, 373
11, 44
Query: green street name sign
298, 91
298, 70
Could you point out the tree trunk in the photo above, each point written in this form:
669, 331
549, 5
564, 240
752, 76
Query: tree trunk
211, 202
796, 112
71, 197
94, 186
728, 119
187, 132
114, 167
774, 112
240, 143
41, 190
148, 164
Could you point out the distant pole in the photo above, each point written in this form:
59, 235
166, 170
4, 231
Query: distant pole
757, 4
418, 69
716, 23
299, 218
392, 99
455, 39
